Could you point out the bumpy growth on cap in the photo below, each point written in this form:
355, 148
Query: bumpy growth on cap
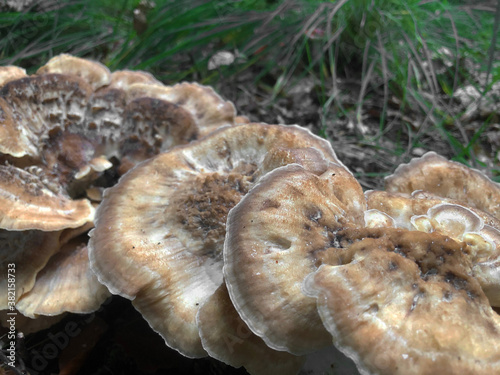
406, 302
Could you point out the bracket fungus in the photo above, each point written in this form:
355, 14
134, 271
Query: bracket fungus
479, 230
67, 131
227, 338
279, 233
407, 303
208, 109
92, 72
394, 300
434, 174
29, 251
65, 284
10, 73
160, 231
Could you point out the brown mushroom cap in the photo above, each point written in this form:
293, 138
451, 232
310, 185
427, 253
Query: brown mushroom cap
406, 303
402, 206
29, 251
76, 120
58, 123
94, 73
38, 104
435, 174
10, 73
227, 338
281, 231
160, 231
208, 109
479, 230
123, 79
65, 284
29, 201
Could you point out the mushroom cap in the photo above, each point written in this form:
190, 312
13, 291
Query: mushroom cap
13, 140
479, 230
435, 174
227, 338
152, 126
30, 201
73, 118
59, 123
29, 251
94, 73
402, 206
407, 303
208, 109
282, 230
160, 231
10, 73
123, 79
37, 105
65, 284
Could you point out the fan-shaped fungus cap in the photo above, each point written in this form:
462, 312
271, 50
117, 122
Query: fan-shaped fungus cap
160, 231
65, 284
74, 118
401, 206
123, 79
31, 201
35, 105
59, 123
208, 109
94, 73
161, 125
435, 174
406, 303
10, 73
281, 231
227, 338
479, 230
29, 251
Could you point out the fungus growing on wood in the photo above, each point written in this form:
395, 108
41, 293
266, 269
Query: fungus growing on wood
92, 72
29, 251
76, 120
227, 338
434, 174
285, 228
65, 132
160, 231
65, 284
29, 200
425, 212
208, 109
406, 302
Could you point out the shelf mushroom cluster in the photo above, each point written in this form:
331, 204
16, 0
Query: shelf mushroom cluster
256, 246
66, 133
248, 242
